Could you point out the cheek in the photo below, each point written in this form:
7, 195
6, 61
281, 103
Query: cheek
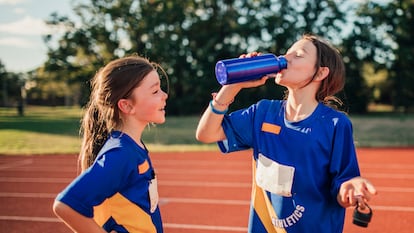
149, 108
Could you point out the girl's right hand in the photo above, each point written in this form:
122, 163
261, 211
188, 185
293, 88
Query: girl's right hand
252, 83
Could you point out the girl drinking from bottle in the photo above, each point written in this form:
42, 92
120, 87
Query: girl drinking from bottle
305, 169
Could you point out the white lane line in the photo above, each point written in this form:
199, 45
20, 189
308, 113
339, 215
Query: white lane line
394, 208
35, 180
166, 225
201, 162
388, 175
164, 200
182, 183
394, 166
161, 183
193, 226
167, 200
206, 184
18, 163
29, 219
29, 195
203, 171
204, 227
396, 189
187, 200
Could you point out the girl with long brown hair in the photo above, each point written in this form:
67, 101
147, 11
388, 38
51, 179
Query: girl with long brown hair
117, 189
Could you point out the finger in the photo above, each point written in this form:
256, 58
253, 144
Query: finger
350, 196
344, 196
360, 202
371, 189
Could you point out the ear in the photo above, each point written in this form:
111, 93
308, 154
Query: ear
322, 73
124, 105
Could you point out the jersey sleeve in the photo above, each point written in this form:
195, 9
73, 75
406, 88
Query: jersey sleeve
98, 182
344, 164
238, 129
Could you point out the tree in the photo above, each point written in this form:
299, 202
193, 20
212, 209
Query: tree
391, 46
187, 38
11, 86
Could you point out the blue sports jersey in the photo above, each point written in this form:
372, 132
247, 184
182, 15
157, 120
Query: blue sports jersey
114, 190
319, 151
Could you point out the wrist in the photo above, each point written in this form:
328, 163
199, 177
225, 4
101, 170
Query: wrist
219, 102
217, 111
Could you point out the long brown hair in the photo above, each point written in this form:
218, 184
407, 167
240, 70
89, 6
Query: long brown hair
111, 83
328, 56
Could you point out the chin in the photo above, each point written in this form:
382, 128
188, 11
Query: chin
278, 79
160, 121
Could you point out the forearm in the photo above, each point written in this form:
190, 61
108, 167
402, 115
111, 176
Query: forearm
209, 128
75, 221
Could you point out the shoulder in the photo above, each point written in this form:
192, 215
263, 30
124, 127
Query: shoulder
122, 148
269, 105
335, 117
267, 102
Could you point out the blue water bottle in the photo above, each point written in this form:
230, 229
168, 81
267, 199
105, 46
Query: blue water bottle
243, 69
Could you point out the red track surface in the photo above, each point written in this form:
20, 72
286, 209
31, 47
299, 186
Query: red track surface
201, 192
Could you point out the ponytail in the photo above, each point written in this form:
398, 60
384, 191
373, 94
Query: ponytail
94, 135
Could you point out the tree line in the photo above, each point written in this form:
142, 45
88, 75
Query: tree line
187, 37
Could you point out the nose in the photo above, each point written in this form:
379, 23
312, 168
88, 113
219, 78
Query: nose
288, 56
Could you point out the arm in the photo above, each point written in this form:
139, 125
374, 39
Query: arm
209, 128
74, 220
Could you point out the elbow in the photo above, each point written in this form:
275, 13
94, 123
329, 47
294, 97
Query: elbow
56, 207
200, 137
204, 137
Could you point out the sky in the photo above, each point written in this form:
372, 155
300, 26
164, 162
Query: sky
21, 28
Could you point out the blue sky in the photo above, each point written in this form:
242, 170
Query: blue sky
22, 26
21, 29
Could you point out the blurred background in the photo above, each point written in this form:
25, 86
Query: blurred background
187, 37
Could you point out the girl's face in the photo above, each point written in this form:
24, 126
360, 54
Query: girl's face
301, 59
148, 101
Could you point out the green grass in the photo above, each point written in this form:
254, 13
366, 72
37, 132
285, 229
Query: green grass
384, 130
50, 130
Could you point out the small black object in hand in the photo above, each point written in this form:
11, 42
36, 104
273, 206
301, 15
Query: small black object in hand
360, 218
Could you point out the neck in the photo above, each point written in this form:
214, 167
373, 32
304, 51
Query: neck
134, 131
299, 107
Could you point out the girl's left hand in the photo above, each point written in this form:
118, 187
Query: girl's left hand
356, 191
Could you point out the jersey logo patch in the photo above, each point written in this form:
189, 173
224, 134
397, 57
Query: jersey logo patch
143, 167
271, 128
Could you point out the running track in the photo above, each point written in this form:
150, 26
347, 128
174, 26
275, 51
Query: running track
201, 192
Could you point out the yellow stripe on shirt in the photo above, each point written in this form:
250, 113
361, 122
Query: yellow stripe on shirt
125, 213
263, 207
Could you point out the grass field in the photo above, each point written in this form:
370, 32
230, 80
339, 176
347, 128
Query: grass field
51, 130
